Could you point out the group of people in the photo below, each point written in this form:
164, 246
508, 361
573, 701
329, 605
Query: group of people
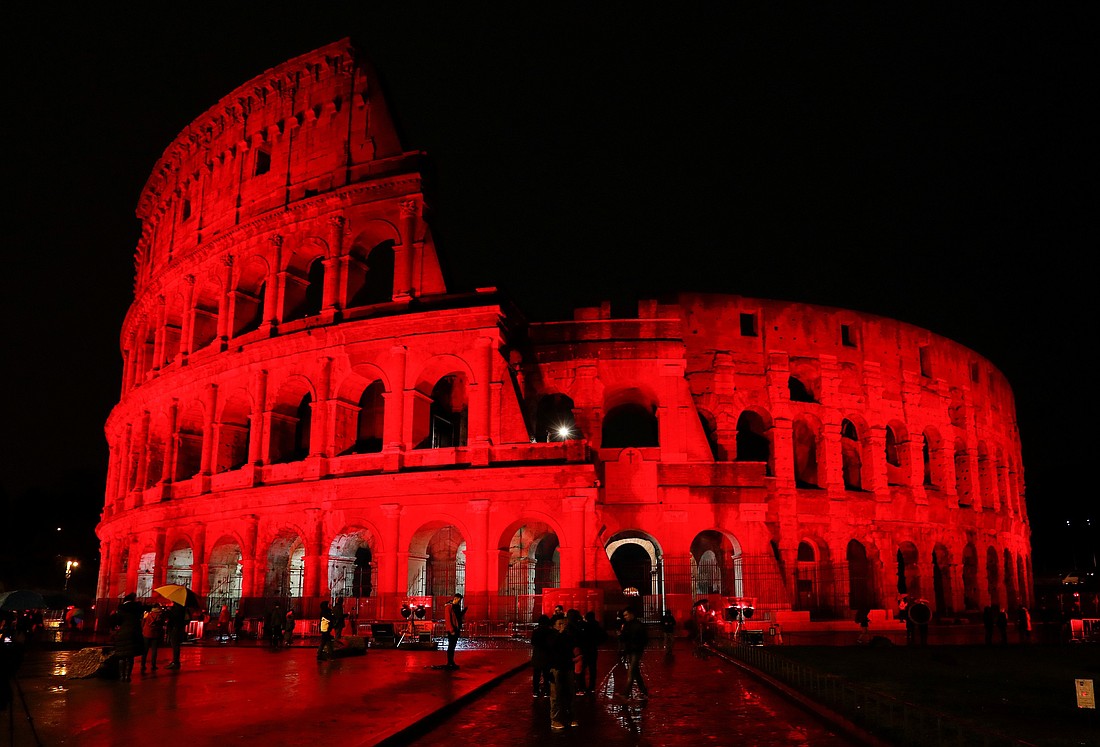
564, 653
137, 630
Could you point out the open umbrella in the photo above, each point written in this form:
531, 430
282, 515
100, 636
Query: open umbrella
179, 595
22, 600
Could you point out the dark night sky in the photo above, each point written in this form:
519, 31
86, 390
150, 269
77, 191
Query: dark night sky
933, 169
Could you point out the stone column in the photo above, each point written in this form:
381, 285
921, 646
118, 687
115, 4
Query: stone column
393, 561
782, 441
876, 445
272, 291
393, 425
314, 585
207, 458
171, 444
335, 289
320, 436
481, 394
160, 564
832, 463
258, 425
478, 552
186, 333
404, 252
226, 307
571, 547
158, 336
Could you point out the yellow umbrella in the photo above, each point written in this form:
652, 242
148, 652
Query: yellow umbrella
179, 595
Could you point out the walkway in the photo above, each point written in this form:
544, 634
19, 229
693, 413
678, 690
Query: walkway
228, 694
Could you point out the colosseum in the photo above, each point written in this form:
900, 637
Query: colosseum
308, 412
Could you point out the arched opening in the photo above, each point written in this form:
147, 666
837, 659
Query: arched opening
851, 454
1011, 599
146, 566
173, 330
303, 291
798, 390
554, 419
630, 424
970, 578
437, 562
204, 320
860, 583
908, 573
291, 423
155, 453
234, 433
635, 560
753, 444
189, 450
370, 420
225, 576
178, 566
940, 580
897, 456
370, 275
283, 580
447, 414
993, 577
716, 565
963, 483
352, 572
248, 297
533, 564
710, 432
806, 578
804, 441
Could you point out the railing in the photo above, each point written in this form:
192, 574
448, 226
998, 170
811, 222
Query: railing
901, 723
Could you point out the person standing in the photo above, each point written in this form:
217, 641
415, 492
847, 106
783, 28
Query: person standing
1002, 624
288, 627
565, 656
274, 628
633, 642
223, 623
592, 635
668, 629
152, 631
338, 618
453, 615
126, 636
238, 624
177, 626
325, 649
1023, 623
541, 638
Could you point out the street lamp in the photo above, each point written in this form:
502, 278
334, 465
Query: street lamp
69, 565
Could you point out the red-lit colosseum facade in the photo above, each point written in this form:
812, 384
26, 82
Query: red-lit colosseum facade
307, 412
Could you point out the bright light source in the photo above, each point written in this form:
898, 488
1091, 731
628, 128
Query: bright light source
564, 432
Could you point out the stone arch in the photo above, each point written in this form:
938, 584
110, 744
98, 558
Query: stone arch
630, 419
908, 575
716, 564
370, 273
861, 582
753, 440
971, 592
1012, 599
174, 312
709, 424
942, 596
635, 559
204, 312
852, 447
156, 450
234, 430
932, 458
179, 563
993, 576
813, 580
352, 570
1001, 480
554, 419
530, 561
898, 466
189, 433
361, 411
291, 421
437, 560
284, 572
147, 561
799, 391
806, 439
225, 574
987, 470
440, 416
248, 296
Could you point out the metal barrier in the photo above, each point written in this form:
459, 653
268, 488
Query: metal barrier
900, 723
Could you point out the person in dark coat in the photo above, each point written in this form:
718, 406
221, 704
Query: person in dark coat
668, 628
453, 616
274, 630
565, 656
1002, 624
633, 642
177, 626
541, 638
592, 635
125, 637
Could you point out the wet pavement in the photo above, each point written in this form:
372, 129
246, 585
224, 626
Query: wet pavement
227, 694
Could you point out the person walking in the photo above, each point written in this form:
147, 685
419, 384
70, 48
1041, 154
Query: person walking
238, 624
224, 619
274, 627
633, 640
541, 638
324, 651
453, 617
565, 657
668, 629
152, 631
592, 635
177, 626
